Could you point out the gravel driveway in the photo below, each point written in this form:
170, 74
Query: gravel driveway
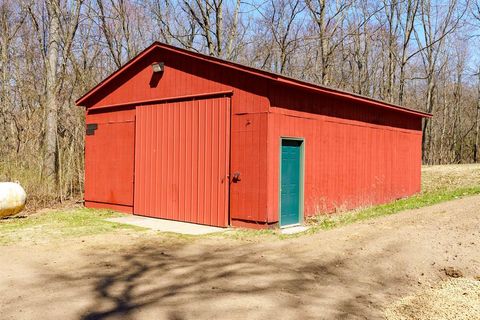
353, 272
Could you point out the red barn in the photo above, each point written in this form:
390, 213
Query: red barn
179, 135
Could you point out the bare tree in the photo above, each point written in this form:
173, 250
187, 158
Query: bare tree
477, 121
435, 26
60, 29
328, 18
407, 19
10, 24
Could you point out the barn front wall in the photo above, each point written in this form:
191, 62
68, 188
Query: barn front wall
187, 78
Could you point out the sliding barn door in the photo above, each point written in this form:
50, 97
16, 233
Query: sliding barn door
182, 161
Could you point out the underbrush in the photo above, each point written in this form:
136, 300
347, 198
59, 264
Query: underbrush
41, 192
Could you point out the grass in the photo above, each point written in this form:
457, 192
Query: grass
439, 184
330, 221
59, 224
325, 222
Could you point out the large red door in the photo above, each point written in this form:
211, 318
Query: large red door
182, 156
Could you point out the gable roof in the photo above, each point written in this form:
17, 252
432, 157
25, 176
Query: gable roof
250, 70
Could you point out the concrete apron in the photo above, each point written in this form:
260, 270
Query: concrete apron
167, 225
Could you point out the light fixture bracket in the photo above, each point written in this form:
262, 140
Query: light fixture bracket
158, 67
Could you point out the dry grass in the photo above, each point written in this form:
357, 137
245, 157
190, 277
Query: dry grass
41, 192
449, 177
456, 299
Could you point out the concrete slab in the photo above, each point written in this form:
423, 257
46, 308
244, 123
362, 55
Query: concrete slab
293, 230
167, 225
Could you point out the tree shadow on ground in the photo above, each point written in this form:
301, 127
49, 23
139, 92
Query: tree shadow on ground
235, 282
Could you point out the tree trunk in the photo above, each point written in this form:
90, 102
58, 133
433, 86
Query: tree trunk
426, 121
477, 122
233, 30
477, 133
51, 105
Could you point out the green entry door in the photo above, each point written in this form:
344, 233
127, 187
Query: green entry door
290, 182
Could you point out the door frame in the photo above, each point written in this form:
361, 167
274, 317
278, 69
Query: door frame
302, 181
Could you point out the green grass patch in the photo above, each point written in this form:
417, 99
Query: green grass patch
325, 222
330, 221
59, 224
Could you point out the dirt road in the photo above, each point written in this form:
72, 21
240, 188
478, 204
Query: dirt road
352, 272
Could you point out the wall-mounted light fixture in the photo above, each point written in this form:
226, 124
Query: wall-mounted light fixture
158, 67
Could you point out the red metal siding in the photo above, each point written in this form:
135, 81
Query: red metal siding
357, 151
109, 156
351, 158
248, 197
185, 76
182, 161
115, 207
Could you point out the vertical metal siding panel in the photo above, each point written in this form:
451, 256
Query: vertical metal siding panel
218, 158
215, 165
147, 158
144, 168
138, 159
222, 173
225, 151
208, 159
179, 161
189, 163
201, 163
139, 190
156, 176
196, 161
176, 147
136, 155
150, 156
167, 153
350, 163
163, 160
173, 213
183, 165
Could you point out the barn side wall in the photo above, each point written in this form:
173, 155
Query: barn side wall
187, 76
355, 155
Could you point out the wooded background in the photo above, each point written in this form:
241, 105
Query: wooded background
418, 53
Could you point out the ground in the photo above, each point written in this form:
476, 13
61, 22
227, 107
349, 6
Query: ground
391, 266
